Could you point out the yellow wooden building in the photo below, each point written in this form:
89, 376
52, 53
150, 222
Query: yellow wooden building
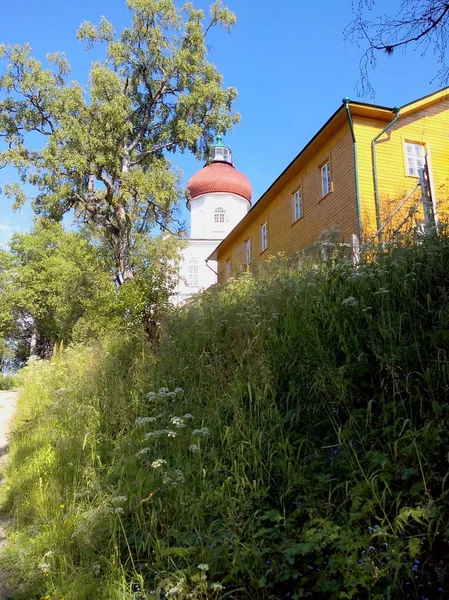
370, 171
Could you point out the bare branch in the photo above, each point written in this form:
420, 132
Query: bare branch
420, 23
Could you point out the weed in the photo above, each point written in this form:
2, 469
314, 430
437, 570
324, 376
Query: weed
287, 438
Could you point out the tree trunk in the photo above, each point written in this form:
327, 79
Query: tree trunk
123, 257
34, 345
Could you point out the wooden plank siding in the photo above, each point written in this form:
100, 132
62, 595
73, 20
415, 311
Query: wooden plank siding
337, 209
428, 126
424, 121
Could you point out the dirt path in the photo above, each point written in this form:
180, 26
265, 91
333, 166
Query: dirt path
8, 402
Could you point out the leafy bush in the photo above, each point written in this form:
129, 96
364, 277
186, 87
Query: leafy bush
7, 382
287, 438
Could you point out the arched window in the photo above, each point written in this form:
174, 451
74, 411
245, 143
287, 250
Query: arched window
219, 215
192, 279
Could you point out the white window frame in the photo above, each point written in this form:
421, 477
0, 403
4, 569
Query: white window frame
264, 236
192, 277
219, 216
297, 205
228, 269
414, 161
248, 251
326, 183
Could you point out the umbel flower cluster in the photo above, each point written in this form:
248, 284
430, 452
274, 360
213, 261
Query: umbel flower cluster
163, 427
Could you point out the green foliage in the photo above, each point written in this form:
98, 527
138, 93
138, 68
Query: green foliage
7, 382
49, 279
104, 148
287, 438
57, 287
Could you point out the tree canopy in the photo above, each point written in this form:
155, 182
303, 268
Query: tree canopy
420, 24
49, 279
55, 286
101, 150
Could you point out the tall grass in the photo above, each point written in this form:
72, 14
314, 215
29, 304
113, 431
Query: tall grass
287, 438
7, 382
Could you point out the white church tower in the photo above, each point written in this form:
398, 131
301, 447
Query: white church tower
219, 197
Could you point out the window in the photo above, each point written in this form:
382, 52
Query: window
414, 158
297, 205
247, 251
192, 279
264, 236
228, 268
219, 215
326, 185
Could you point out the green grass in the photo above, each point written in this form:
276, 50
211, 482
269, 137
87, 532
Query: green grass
291, 436
7, 382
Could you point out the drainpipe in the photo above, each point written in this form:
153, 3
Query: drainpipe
209, 267
373, 158
346, 102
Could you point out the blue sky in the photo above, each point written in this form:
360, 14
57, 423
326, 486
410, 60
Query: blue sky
288, 60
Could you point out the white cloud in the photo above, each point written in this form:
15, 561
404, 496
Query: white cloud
6, 231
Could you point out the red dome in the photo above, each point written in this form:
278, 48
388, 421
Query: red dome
219, 177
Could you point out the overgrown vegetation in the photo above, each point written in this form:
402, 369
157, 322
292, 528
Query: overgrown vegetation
7, 382
57, 287
287, 438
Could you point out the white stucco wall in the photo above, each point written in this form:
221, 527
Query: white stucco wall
202, 210
205, 235
196, 250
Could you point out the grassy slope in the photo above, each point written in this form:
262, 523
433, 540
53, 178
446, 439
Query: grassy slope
294, 442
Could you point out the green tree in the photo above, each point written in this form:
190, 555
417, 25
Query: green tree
104, 148
49, 280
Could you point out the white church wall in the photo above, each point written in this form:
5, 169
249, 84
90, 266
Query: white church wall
203, 223
194, 274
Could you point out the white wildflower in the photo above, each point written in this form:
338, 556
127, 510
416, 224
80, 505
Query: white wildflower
381, 291
163, 391
119, 499
178, 422
194, 449
160, 433
159, 462
178, 391
187, 416
144, 420
151, 396
179, 588
204, 432
143, 451
174, 479
44, 567
350, 301
216, 587
179, 476
203, 567
154, 434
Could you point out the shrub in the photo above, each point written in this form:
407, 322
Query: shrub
287, 438
7, 382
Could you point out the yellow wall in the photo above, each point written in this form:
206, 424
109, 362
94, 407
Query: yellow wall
337, 209
429, 126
